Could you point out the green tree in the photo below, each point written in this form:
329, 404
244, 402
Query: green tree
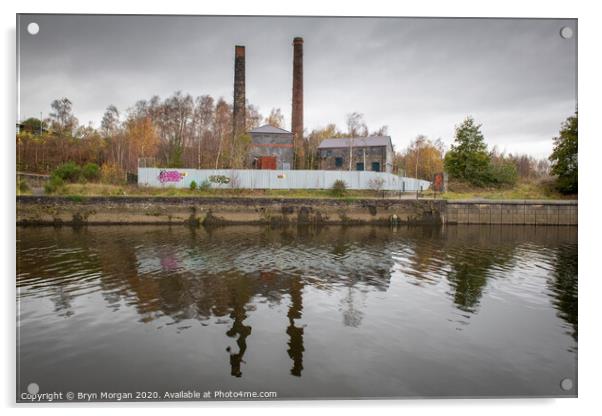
32, 125
468, 158
564, 156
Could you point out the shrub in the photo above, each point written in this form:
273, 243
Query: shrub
110, 173
69, 172
339, 188
22, 186
205, 185
503, 173
376, 184
91, 172
54, 184
193, 186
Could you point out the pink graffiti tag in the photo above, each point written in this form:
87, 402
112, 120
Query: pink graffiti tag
170, 176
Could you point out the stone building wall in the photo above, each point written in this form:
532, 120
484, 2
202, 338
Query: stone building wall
270, 144
378, 154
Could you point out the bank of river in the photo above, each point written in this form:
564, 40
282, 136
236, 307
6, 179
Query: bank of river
54, 210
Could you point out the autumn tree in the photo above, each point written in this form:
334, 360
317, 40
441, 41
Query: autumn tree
254, 117
203, 116
221, 127
314, 139
423, 158
275, 118
142, 140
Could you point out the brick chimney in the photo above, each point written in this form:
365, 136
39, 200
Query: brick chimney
297, 114
239, 107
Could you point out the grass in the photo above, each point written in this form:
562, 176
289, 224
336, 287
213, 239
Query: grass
522, 190
79, 190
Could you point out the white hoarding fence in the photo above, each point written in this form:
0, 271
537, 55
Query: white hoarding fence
277, 179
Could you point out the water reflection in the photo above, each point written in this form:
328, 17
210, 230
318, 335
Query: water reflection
295, 344
223, 275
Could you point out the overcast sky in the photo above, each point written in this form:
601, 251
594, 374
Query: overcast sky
415, 75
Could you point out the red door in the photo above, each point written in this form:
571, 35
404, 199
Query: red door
267, 162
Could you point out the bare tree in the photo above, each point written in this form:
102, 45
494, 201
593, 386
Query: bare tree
221, 122
63, 120
275, 118
110, 121
203, 115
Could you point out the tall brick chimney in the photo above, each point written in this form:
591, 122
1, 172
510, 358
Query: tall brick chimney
239, 107
297, 114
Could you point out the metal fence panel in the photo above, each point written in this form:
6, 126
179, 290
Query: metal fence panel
276, 179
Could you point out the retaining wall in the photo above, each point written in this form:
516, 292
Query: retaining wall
46, 210
512, 212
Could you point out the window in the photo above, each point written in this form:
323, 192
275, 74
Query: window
359, 166
376, 166
338, 162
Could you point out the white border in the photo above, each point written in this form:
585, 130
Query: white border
590, 96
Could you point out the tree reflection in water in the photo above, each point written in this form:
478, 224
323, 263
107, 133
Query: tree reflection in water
203, 274
564, 285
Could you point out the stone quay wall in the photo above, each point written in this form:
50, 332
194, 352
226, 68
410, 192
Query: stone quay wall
78, 211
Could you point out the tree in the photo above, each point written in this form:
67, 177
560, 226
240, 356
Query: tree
275, 118
356, 127
142, 140
32, 125
203, 115
110, 121
564, 156
254, 118
63, 121
313, 141
221, 126
468, 158
423, 158
382, 131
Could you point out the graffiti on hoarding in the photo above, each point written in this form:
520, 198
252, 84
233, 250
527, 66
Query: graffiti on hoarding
171, 176
219, 179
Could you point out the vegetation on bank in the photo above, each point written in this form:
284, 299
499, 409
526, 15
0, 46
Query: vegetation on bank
101, 189
522, 190
533, 189
181, 131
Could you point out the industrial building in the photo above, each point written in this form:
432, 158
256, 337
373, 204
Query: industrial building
373, 153
271, 148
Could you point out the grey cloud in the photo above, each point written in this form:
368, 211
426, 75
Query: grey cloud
416, 75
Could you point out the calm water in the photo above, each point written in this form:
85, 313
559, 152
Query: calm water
326, 313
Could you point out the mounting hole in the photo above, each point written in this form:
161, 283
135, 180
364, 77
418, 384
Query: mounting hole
566, 32
33, 388
33, 28
566, 384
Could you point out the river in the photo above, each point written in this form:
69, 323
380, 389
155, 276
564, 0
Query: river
331, 312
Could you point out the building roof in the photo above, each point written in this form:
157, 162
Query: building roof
266, 128
356, 142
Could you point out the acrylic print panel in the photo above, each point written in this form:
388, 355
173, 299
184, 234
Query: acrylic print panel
278, 208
